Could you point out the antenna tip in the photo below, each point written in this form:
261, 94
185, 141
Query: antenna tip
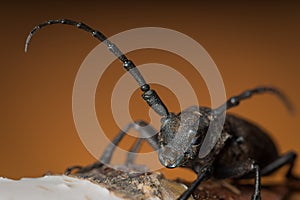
26, 47
27, 41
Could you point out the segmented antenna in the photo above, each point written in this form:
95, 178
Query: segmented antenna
149, 95
235, 100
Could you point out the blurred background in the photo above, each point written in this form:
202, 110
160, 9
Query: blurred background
252, 44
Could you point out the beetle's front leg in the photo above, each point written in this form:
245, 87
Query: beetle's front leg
256, 194
106, 156
146, 132
204, 173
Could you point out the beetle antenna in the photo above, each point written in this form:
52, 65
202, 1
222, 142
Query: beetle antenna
149, 95
235, 100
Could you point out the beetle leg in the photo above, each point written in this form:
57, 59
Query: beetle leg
256, 194
245, 169
288, 158
107, 154
131, 154
203, 174
146, 131
69, 170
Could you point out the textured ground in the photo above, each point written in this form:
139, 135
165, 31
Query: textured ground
134, 185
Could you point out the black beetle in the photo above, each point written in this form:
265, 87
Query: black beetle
242, 150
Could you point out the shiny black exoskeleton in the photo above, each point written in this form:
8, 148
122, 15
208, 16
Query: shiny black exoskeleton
203, 139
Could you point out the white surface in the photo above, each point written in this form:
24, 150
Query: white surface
52, 188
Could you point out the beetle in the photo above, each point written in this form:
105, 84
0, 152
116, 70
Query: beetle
242, 149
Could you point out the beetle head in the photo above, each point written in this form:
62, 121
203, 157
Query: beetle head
181, 135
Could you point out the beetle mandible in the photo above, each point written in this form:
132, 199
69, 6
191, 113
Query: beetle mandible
243, 150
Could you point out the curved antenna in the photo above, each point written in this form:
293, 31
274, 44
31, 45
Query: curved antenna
149, 95
235, 100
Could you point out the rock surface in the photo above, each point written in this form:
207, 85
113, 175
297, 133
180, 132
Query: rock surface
109, 183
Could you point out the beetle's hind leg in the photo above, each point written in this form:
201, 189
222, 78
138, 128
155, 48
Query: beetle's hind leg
286, 159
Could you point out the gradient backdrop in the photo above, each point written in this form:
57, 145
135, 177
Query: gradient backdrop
252, 44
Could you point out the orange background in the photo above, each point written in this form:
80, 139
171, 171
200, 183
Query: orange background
252, 44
